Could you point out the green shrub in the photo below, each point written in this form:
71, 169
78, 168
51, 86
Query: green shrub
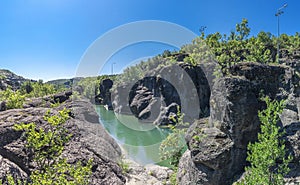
173, 177
173, 147
14, 100
125, 166
40, 90
267, 156
91, 85
46, 146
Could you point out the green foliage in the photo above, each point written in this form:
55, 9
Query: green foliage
173, 147
56, 104
14, 100
11, 180
242, 29
137, 72
75, 95
226, 50
173, 177
38, 89
190, 60
237, 47
63, 173
166, 53
261, 48
91, 85
268, 156
46, 146
125, 166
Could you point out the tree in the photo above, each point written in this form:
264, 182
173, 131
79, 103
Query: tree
174, 145
243, 29
267, 156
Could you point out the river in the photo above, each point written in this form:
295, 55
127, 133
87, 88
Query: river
140, 141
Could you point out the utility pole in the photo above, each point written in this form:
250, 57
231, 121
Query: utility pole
278, 13
112, 68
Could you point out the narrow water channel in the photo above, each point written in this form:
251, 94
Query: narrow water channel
140, 141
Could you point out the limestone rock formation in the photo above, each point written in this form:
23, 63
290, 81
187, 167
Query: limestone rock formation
155, 98
218, 156
89, 140
104, 98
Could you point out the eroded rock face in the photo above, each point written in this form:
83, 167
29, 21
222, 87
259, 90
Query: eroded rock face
156, 97
104, 98
219, 157
89, 140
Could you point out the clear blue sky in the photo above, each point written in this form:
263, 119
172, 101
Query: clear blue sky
45, 39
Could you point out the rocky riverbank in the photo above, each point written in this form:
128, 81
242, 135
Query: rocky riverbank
218, 158
89, 140
234, 101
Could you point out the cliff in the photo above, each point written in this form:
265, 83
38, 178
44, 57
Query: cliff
219, 158
89, 140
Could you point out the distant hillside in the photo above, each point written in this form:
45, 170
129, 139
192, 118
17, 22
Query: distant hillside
67, 83
10, 79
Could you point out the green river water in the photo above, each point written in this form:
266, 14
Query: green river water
140, 141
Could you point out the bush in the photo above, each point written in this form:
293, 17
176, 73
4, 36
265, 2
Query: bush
173, 147
14, 100
125, 166
46, 146
267, 156
91, 85
37, 89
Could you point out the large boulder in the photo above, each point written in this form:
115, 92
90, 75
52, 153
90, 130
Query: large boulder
3, 105
89, 141
208, 159
233, 122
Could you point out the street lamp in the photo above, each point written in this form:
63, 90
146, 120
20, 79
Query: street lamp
278, 13
112, 68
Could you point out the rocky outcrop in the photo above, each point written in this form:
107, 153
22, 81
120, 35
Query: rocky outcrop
218, 146
149, 174
104, 98
46, 101
155, 98
89, 140
9, 79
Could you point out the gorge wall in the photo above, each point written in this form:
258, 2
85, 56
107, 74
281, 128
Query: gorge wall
220, 156
156, 97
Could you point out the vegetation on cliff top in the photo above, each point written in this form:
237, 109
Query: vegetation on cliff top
225, 50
